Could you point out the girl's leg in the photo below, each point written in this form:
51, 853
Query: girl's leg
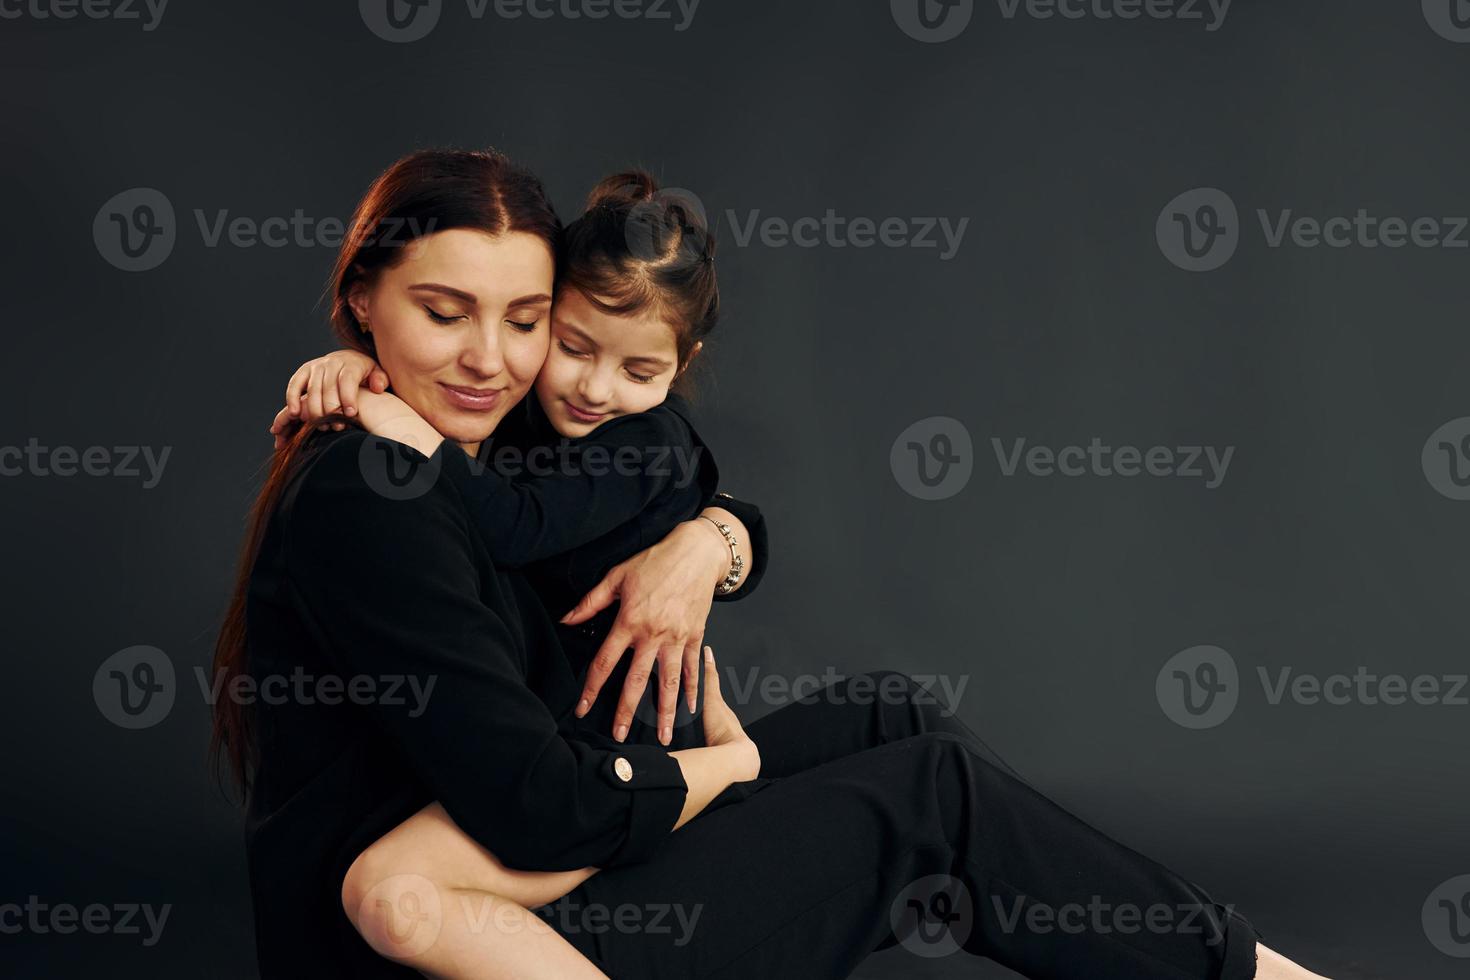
922, 838
428, 896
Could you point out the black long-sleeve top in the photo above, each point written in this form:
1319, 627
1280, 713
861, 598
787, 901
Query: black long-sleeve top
449, 685
565, 510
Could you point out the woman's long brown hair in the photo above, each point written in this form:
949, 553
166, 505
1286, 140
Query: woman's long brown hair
423, 193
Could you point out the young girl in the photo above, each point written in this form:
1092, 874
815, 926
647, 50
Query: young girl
601, 463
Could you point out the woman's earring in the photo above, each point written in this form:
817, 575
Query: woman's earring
363, 326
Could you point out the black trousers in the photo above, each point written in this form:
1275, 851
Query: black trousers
879, 820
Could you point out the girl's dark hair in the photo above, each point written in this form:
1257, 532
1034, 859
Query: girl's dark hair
423, 193
638, 248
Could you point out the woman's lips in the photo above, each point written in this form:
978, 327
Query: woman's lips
473, 399
582, 416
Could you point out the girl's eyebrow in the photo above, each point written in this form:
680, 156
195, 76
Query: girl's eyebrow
651, 361
577, 333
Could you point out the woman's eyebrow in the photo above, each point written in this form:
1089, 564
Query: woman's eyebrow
435, 287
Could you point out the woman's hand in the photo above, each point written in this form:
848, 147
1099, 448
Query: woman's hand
666, 594
325, 386
721, 726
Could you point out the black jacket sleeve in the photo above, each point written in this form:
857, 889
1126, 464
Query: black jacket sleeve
566, 495
383, 569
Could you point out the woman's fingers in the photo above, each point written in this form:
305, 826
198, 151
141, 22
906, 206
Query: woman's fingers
712, 693
670, 671
692, 657
602, 665
594, 602
645, 655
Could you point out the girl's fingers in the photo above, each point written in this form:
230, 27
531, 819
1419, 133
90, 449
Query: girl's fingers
348, 382
378, 380
295, 386
313, 408
331, 401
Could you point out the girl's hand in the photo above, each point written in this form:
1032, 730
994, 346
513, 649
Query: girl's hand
666, 593
327, 385
721, 726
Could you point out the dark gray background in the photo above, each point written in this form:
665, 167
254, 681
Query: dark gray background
1325, 549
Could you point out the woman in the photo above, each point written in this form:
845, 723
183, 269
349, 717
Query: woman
363, 564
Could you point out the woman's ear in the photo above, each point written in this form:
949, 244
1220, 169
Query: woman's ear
358, 304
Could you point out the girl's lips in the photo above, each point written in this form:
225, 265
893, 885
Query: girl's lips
473, 399
582, 416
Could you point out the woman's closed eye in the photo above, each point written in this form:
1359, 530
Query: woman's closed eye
438, 317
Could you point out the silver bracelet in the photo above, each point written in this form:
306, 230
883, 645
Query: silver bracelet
737, 561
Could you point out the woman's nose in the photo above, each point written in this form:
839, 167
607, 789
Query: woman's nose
483, 353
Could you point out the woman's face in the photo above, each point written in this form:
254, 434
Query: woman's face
460, 325
602, 366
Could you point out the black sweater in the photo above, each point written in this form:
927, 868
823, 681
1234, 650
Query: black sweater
371, 572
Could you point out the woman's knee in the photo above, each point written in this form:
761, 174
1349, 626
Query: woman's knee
391, 907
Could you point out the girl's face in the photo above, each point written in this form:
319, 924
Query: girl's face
601, 366
460, 325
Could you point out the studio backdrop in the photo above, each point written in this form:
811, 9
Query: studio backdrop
1101, 364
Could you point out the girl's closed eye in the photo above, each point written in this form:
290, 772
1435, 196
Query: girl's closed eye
642, 379
569, 350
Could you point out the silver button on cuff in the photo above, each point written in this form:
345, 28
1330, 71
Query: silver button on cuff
624, 769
